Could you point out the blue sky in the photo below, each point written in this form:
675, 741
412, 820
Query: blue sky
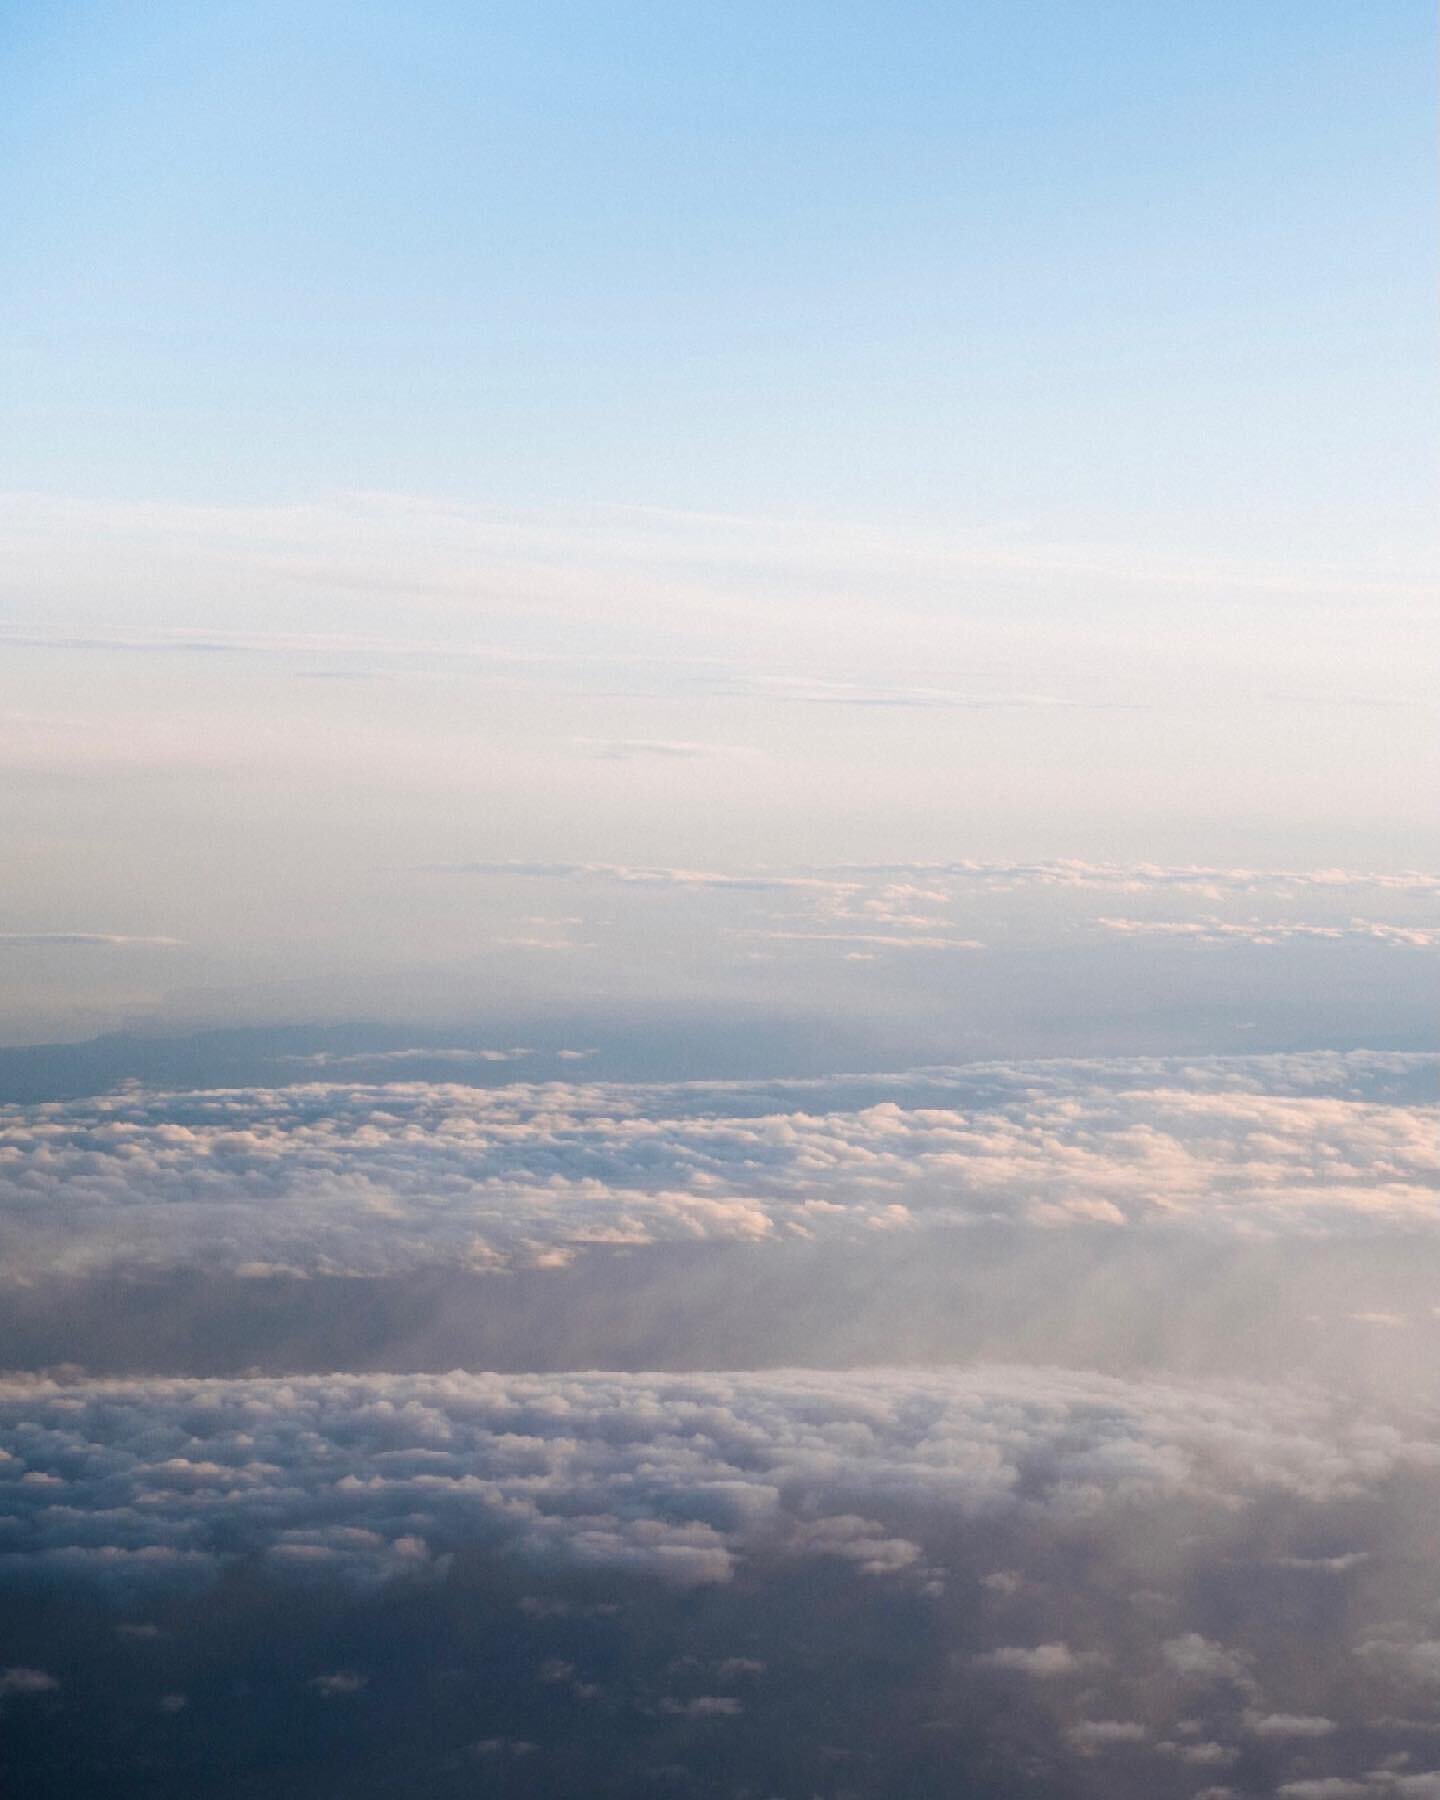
698, 438
1158, 269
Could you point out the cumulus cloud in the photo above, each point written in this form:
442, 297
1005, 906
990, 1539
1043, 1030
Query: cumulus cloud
1197, 1658
340, 1684
379, 1475
1044, 1661
364, 1179
1093, 1735
1154, 1532
1289, 1725
27, 1681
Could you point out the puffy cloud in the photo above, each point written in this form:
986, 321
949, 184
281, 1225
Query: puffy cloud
27, 1681
1044, 1661
1156, 1534
1196, 1658
340, 1684
375, 1476
702, 1706
1289, 1725
1092, 1735
372, 1179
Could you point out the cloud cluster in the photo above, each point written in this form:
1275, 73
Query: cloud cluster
685, 1476
925, 905
40, 940
1125, 1559
1254, 931
1071, 873
373, 1179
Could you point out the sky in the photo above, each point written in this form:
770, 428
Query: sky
719, 948
706, 439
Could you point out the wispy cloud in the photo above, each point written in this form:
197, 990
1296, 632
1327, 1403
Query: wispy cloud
661, 749
44, 939
1061, 873
1254, 931
812, 691
895, 940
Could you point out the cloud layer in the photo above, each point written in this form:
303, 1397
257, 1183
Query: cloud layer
364, 1179
1122, 1564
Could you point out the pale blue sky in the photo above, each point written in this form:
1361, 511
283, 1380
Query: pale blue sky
1113, 266
695, 437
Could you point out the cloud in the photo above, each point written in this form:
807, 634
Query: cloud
1044, 1661
374, 1477
1197, 1658
1289, 1725
1138, 878
1156, 1532
45, 939
27, 1681
1220, 931
1375, 1784
661, 749
1071, 874
886, 939
1092, 1735
359, 1179
417, 1053
813, 691
340, 1684
639, 875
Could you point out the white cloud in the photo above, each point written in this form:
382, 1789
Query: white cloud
40, 940
661, 749
377, 1476
1043, 1661
362, 1179
943, 878
26, 1681
1093, 1735
1219, 931
1199, 1658
1288, 1725
340, 1684
907, 1479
